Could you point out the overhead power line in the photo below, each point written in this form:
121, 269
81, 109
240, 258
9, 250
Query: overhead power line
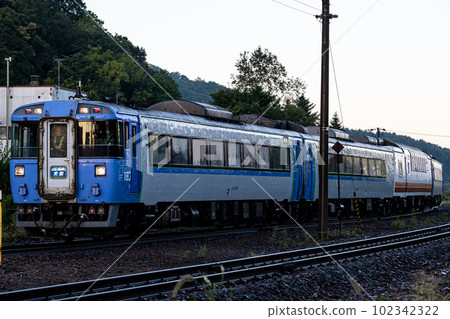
293, 8
307, 5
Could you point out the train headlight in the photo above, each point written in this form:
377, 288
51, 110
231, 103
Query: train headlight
38, 111
84, 110
19, 171
100, 170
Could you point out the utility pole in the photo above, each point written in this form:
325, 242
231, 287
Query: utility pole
324, 121
59, 77
8, 60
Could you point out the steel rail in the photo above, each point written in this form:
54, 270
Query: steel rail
164, 280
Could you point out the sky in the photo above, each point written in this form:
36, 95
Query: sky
391, 58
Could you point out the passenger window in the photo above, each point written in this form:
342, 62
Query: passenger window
372, 167
332, 168
234, 154
200, 152
348, 165
357, 169
159, 150
180, 151
400, 168
249, 156
133, 135
264, 157
365, 166
280, 158
215, 153
127, 135
58, 140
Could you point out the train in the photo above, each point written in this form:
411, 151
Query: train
85, 168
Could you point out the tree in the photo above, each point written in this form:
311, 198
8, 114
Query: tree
262, 86
336, 123
262, 68
310, 118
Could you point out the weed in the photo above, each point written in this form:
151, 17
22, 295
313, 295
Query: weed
273, 235
443, 217
183, 280
425, 288
282, 239
186, 253
413, 222
354, 232
398, 224
428, 221
202, 251
384, 298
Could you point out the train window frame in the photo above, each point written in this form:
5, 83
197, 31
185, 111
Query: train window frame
332, 167
160, 140
27, 151
118, 137
365, 166
348, 160
127, 134
357, 166
400, 168
236, 154
134, 141
267, 160
218, 160
249, 152
372, 167
283, 160
197, 158
186, 156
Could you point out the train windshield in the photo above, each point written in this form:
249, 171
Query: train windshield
100, 139
24, 139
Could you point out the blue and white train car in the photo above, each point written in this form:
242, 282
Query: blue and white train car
92, 168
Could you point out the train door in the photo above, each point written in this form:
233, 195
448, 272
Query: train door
135, 174
57, 159
297, 185
309, 173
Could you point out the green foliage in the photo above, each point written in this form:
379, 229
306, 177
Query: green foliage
261, 86
383, 298
398, 224
336, 122
197, 90
283, 239
33, 33
186, 253
202, 251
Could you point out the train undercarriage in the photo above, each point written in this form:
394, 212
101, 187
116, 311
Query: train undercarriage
67, 220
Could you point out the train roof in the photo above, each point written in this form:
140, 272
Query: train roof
210, 115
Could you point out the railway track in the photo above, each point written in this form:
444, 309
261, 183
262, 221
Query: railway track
161, 283
89, 244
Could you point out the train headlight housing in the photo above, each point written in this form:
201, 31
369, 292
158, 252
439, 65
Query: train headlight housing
38, 111
19, 171
84, 110
100, 170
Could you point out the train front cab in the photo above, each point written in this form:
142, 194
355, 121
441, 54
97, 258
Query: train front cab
71, 169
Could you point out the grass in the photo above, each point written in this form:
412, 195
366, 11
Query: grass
280, 239
398, 224
202, 251
425, 288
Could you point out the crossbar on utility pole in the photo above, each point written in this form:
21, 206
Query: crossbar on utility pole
323, 169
